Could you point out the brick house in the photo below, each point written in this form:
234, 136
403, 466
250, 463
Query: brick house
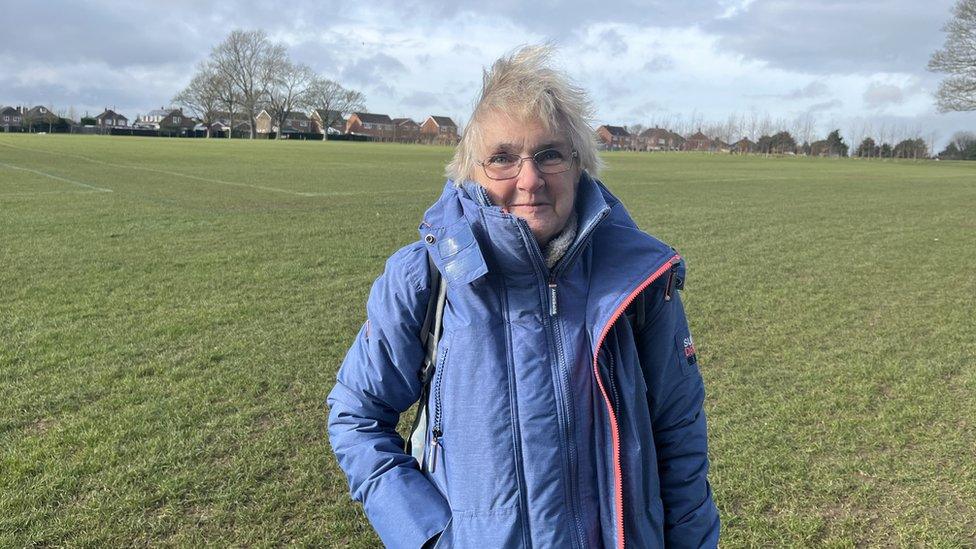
698, 142
406, 130
439, 129
378, 126
744, 146
327, 118
111, 119
171, 121
11, 119
40, 118
660, 139
614, 138
227, 125
295, 122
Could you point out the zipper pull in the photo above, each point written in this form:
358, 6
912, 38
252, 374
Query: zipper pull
672, 278
433, 451
553, 307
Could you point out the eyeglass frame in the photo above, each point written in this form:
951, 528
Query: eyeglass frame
573, 157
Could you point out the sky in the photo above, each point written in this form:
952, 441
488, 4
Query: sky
855, 65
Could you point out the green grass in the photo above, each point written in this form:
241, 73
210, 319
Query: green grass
166, 347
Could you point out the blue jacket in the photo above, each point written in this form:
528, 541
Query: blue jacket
527, 357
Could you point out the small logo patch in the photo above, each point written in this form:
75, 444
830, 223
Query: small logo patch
689, 344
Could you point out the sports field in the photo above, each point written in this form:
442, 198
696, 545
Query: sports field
173, 312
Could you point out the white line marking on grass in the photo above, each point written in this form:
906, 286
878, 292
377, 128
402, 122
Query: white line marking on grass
36, 193
56, 177
217, 181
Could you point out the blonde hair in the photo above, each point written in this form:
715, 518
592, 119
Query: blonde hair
524, 86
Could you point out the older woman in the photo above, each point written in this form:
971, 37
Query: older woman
565, 405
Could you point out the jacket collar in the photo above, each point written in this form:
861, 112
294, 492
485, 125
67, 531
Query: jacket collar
467, 236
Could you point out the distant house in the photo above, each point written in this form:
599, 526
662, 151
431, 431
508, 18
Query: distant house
171, 121
744, 146
40, 118
226, 124
439, 129
295, 123
327, 118
614, 138
377, 126
406, 130
660, 139
111, 119
720, 146
698, 142
11, 119
819, 148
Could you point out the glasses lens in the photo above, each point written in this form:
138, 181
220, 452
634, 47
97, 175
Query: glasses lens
502, 166
551, 161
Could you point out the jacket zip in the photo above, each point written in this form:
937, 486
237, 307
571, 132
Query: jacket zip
437, 430
671, 263
552, 332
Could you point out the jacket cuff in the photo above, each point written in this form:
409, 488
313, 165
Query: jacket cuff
406, 509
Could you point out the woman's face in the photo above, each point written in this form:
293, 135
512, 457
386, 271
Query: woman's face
544, 201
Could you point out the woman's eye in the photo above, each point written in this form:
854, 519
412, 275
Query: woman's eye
500, 160
550, 155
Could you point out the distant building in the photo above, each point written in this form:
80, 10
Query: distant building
111, 119
226, 124
406, 130
614, 138
660, 139
39, 118
165, 120
744, 146
327, 118
698, 142
439, 129
295, 123
11, 119
377, 126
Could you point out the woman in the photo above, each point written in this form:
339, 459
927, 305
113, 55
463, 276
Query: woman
556, 417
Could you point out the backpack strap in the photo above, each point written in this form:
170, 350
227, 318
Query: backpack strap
430, 335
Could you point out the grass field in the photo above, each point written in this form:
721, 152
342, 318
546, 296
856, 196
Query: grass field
172, 314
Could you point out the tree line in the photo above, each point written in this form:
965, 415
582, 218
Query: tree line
247, 73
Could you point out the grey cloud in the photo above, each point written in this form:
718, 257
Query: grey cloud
419, 99
376, 71
825, 106
642, 110
613, 41
658, 63
878, 95
811, 90
836, 35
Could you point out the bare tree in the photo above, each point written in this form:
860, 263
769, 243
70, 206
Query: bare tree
958, 59
243, 59
333, 99
289, 85
201, 97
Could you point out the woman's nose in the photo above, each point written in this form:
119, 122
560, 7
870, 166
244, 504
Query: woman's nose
530, 179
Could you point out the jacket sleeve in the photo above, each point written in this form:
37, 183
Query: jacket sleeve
378, 380
676, 394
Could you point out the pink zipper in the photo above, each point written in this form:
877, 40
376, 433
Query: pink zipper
614, 429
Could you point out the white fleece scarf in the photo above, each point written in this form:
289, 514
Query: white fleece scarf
557, 247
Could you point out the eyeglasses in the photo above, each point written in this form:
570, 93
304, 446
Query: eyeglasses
506, 166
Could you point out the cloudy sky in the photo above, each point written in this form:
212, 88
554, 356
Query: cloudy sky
849, 64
